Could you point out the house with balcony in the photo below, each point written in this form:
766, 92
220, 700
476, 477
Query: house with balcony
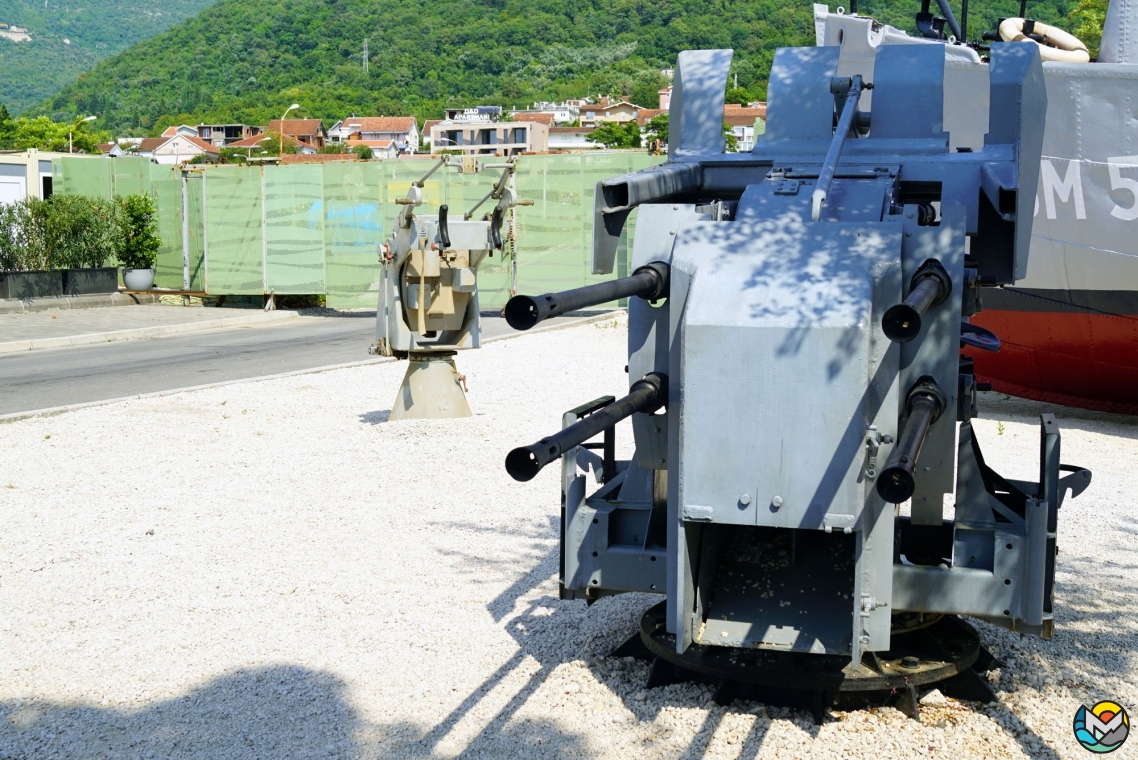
402, 131
480, 138
621, 111
746, 122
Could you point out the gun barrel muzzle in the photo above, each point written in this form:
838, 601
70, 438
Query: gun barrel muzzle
648, 282
925, 404
930, 286
647, 394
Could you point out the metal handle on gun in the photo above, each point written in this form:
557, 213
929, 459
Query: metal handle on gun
845, 122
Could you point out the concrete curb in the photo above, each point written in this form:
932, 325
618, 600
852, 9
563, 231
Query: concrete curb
140, 333
66, 303
58, 410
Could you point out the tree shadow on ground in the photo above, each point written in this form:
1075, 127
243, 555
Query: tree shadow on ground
279, 711
274, 712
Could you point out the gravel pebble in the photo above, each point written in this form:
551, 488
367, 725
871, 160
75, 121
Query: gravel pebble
272, 569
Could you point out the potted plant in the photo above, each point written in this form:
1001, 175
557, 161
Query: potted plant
24, 253
138, 241
81, 233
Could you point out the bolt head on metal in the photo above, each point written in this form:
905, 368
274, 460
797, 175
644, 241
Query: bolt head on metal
745, 499
776, 502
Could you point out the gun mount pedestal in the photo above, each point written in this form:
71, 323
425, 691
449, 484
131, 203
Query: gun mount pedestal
432, 388
428, 292
927, 650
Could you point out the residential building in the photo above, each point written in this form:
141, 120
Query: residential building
427, 125
403, 131
379, 148
111, 150
176, 149
666, 98
222, 135
562, 113
308, 131
507, 138
565, 139
620, 111
742, 121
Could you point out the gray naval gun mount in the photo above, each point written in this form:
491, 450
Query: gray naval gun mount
428, 291
796, 323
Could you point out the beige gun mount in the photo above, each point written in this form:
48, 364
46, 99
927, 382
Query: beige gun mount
428, 291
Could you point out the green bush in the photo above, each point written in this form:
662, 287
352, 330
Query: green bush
76, 231
23, 235
138, 227
81, 231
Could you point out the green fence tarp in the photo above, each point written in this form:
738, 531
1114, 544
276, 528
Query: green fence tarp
315, 228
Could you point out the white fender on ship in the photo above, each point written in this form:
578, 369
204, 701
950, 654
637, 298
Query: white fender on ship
1060, 46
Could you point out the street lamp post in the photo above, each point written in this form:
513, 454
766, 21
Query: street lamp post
70, 149
249, 153
280, 145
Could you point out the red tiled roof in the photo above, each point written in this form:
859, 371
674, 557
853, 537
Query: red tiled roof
570, 130
207, 147
739, 116
380, 123
647, 114
105, 147
540, 118
430, 123
297, 126
148, 144
170, 131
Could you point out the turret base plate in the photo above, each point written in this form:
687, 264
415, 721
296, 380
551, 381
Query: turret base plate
944, 652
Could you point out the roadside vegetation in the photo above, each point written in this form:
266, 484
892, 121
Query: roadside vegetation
76, 231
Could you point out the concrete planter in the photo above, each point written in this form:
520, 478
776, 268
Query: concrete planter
89, 282
26, 285
138, 279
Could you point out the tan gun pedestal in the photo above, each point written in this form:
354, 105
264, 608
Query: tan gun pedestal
432, 389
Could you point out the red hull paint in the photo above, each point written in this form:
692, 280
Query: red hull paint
1075, 359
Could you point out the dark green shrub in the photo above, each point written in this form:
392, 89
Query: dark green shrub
81, 231
23, 238
138, 240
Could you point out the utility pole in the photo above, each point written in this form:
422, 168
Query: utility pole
365, 55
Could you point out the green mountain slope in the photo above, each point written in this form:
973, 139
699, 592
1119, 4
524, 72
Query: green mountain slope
247, 61
33, 71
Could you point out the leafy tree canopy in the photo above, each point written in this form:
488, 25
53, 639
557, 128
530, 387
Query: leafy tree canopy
612, 134
44, 134
70, 38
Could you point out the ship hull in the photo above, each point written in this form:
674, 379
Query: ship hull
1063, 347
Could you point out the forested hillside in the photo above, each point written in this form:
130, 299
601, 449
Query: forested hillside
246, 60
33, 71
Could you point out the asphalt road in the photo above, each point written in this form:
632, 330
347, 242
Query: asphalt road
33, 380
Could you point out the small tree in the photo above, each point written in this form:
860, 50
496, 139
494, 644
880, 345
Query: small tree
730, 141
80, 231
612, 134
138, 232
657, 127
364, 152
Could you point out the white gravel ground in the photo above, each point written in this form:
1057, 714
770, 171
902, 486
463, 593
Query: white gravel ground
273, 570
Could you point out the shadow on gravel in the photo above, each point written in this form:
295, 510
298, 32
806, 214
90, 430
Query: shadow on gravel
376, 418
555, 633
283, 711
